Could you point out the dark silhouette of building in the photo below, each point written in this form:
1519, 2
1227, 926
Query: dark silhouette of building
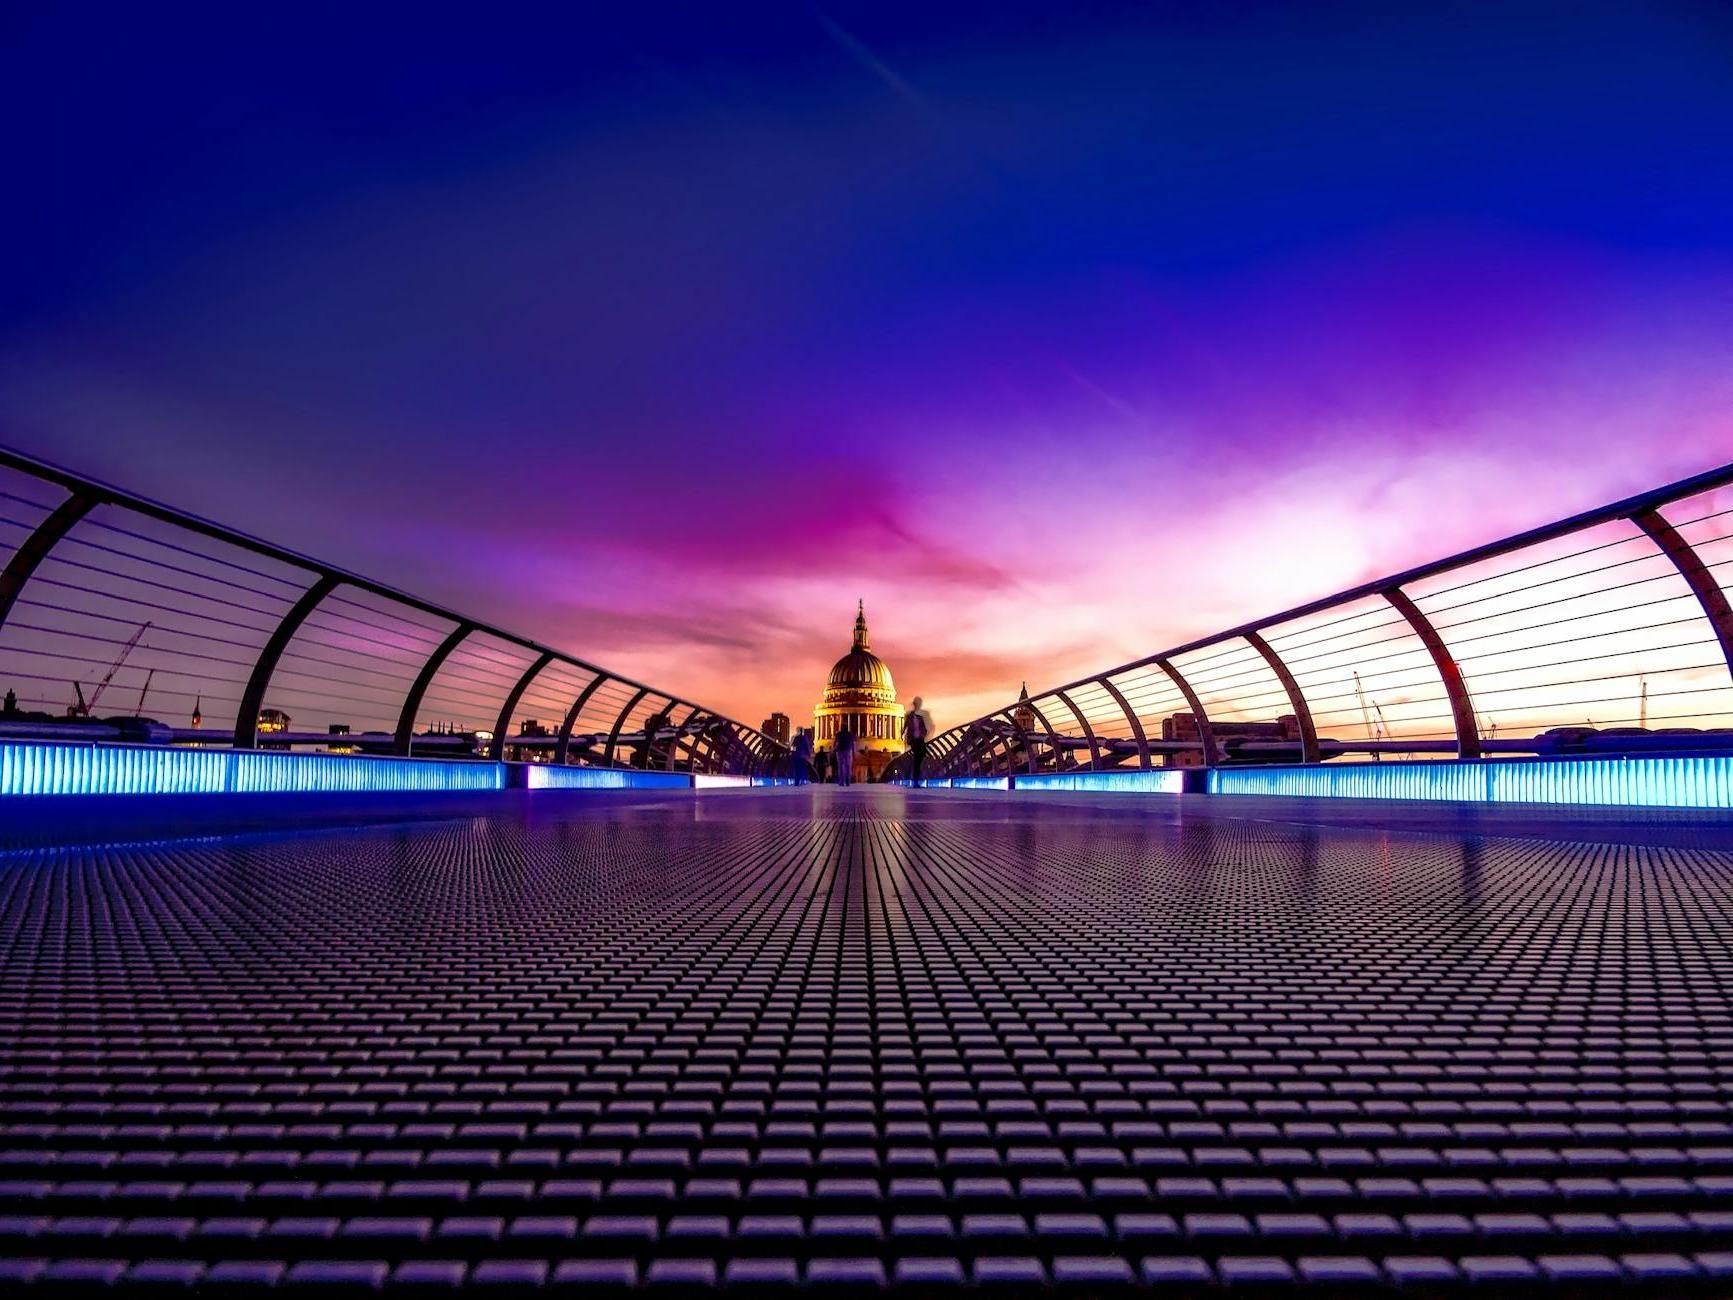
776, 727
1183, 727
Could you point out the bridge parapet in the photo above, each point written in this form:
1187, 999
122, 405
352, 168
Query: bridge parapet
123, 619
1607, 633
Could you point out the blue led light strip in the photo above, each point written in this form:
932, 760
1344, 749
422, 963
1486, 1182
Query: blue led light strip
1152, 781
1670, 782
40, 768
539, 776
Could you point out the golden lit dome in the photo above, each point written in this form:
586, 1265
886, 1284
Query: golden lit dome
860, 669
861, 697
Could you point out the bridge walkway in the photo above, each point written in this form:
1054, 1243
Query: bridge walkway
876, 1038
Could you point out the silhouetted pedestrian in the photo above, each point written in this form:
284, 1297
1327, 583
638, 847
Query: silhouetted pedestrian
917, 727
843, 746
800, 754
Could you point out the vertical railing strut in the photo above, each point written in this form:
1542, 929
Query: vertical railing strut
404, 740
496, 746
1309, 752
1696, 575
1205, 732
35, 547
253, 697
563, 745
1132, 718
1088, 731
1047, 728
614, 735
1449, 672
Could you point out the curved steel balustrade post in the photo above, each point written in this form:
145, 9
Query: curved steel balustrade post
563, 746
939, 752
404, 739
614, 734
1024, 742
1132, 718
1088, 731
42, 540
738, 756
985, 738
679, 735
496, 746
1449, 672
1309, 752
1696, 575
712, 751
755, 750
1205, 733
253, 697
1047, 727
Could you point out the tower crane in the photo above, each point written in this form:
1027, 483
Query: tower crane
1373, 731
83, 708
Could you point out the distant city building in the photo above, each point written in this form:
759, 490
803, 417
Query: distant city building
776, 727
1183, 727
861, 695
532, 727
339, 729
1024, 714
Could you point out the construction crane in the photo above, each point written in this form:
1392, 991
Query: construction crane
83, 708
143, 691
1373, 731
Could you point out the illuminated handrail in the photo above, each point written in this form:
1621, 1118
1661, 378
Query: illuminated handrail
103, 591
1518, 647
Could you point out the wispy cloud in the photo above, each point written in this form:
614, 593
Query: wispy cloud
862, 55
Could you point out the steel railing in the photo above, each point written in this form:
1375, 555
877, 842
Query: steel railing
1609, 632
125, 619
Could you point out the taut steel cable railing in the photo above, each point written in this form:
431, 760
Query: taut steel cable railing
1606, 633
122, 619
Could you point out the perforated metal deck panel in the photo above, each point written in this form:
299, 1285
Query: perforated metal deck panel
874, 1039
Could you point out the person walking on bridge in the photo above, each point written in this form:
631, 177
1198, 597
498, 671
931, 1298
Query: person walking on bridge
917, 726
800, 755
843, 750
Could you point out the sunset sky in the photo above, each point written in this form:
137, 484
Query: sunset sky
1057, 333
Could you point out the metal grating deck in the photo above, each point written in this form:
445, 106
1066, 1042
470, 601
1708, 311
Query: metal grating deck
874, 1038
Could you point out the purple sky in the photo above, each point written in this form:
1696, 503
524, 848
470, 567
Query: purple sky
1057, 341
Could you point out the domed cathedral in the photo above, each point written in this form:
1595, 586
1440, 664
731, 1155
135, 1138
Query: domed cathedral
861, 694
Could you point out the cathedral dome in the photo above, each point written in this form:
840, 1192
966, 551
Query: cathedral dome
860, 696
860, 669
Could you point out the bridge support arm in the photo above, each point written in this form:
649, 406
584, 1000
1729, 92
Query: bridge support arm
1088, 731
1449, 672
1696, 575
614, 734
1132, 718
1205, 733
253, 697
1309, 752
496, 746
405, 738
36, 547
563, 746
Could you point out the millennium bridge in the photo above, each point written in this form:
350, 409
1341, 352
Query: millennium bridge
349, 944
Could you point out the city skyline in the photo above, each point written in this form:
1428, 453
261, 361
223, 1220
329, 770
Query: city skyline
1058, 347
